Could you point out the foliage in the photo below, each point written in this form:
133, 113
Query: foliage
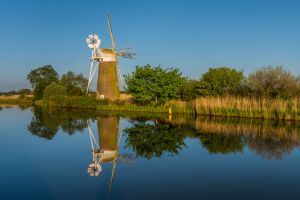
40, 78
220, 81
273, 82
54, 92
188, 90
75, 84
24, 91
149, 84
152, 140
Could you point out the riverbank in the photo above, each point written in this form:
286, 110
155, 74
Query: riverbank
277, 109
16, 99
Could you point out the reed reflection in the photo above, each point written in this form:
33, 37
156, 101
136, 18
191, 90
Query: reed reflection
268, 139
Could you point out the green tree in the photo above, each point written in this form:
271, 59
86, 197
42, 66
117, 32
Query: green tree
154, 84
54, 92
273, 82
220, 81
40, 78
75, 84
189, 90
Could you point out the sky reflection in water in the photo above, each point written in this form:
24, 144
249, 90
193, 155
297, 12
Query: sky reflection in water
48, 154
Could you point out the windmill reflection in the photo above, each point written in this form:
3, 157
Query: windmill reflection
106, 149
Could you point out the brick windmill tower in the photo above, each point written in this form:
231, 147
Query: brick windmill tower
109, 77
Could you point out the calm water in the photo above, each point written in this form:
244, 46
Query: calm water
64, 154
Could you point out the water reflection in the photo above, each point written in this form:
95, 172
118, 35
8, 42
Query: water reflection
153, 139
104, 150
21, 106
157, 136
46, 122
268, 139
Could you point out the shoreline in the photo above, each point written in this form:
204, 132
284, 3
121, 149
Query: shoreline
273, 109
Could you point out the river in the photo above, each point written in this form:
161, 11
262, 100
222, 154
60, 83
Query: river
84, 154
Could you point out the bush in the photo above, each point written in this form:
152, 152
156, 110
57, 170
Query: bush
54, 92
149, 84
75, 91
220, 81
189, 90
76, 85
273, 82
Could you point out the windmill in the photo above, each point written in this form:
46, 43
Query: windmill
109, 76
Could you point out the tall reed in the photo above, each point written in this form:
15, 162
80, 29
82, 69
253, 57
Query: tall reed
249, 107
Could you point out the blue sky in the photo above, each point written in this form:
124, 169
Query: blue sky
192, 35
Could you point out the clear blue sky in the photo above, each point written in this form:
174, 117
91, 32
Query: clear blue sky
190, 35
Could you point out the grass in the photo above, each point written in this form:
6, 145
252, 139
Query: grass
16, 99
278, 109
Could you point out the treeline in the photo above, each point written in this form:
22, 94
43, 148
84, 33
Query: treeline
48, 85
156, 85
18, 92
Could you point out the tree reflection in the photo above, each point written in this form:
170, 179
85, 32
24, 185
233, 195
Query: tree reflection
223, 144
154, 137
46, 122
272, 147
152, 140
268, 139
38, 126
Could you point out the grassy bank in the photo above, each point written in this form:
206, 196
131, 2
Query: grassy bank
278, 109
16, 99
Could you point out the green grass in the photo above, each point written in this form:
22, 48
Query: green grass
277, 109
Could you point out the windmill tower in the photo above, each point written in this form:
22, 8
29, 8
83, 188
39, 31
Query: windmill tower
109, 77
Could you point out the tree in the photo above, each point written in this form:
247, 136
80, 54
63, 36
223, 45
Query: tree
273, 82
40, 78
189, 90
75, 84
154, 84
220, 81
54, 92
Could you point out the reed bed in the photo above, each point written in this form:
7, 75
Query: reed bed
16, 99
133, 108
263, 108
278, 109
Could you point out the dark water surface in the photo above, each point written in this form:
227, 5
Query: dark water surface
48, 154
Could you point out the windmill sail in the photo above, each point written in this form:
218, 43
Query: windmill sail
111, 34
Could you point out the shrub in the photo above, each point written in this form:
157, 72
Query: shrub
149, 84
220, 81
189, 90
54, 92
273, 82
